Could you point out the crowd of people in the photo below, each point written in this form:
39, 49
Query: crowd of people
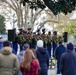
34, 55
27, 62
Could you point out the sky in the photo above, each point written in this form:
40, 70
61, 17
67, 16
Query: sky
73, 16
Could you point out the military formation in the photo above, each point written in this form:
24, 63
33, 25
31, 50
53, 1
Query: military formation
32, 37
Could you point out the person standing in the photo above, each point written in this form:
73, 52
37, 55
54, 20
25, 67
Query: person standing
49, 43
30, 64
20, 38
9, 64
44, 38
20, 55
43, 57
29, 37
38, 34
68, 61
34, 40
54, 41
58, 52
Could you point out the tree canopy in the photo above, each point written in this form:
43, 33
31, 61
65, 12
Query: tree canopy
56, 6
2, 25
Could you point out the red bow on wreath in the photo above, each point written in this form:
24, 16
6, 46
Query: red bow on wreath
44, 36
29, 37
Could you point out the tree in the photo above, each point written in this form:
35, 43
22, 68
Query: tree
15, 6
2, 25
21, 12
68, 26
56, 6
22, 8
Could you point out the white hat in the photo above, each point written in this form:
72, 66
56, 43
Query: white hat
39, 43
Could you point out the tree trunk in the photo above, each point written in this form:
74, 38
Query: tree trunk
21, 16
26, 15
42, 24
31, 20
18, 18
35, 15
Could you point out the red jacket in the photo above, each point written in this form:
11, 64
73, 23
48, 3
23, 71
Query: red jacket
33, 69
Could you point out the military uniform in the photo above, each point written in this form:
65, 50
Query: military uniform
54, 41
49, 43
34, 40
29, 37
44, 38
20, 39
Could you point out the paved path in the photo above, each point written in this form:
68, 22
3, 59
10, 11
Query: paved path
52, 72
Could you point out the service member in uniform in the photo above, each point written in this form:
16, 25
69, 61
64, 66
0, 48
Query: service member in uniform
44, 38
49, 43
54, 41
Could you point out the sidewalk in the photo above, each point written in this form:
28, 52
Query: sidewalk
52, 72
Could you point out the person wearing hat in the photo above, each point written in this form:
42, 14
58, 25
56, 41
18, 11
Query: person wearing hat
68, 61
29, 30
20, 55
25, 36
29, 39
20, 39
44, 38
20, 30
54, 41
38, 34
43, 57
34, 40
49, 43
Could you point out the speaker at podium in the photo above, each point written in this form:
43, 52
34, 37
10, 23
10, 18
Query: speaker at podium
11, 35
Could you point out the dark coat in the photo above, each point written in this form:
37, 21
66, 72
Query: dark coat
58, 52
68, 63
43, 58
